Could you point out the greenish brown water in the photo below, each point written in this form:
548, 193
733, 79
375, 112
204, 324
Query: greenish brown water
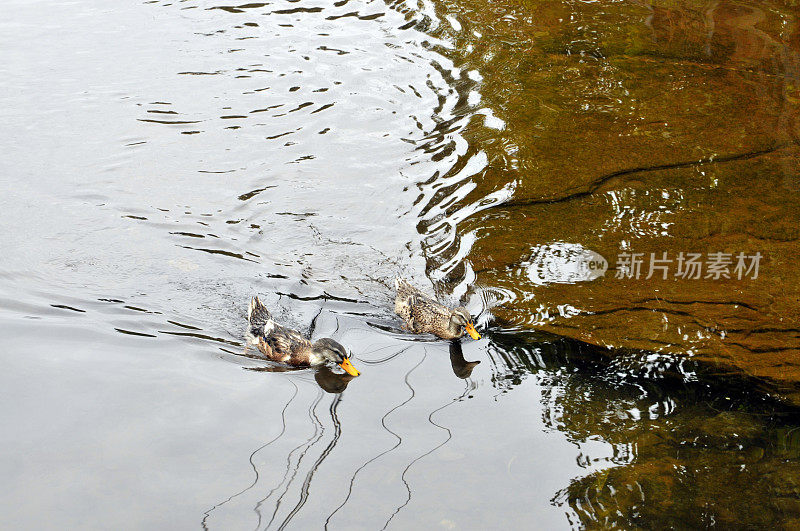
165, 161
661, 127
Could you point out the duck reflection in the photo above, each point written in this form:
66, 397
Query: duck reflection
461, 367
328, 380
332, 382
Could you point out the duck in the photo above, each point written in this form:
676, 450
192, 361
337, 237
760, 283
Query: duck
284, 345
423, 314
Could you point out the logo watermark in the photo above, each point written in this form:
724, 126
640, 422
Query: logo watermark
568, 263
689, 266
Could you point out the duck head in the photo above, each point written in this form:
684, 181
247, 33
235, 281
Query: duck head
335, 352
460, 317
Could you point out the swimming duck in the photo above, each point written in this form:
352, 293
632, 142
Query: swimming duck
285, 345
423, 314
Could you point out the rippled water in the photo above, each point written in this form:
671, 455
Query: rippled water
165, 161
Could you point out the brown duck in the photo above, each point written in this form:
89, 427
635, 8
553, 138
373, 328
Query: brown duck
284, 345
423, 314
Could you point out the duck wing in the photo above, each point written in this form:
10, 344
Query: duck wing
406, 295
276, 342
286, 345
426, 314
419, 311
281, 344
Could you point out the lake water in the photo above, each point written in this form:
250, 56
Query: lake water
165, 161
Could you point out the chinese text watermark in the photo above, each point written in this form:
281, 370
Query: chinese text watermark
690, 266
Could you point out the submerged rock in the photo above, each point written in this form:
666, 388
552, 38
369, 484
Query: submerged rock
633, 131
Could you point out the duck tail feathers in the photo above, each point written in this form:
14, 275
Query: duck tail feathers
400, 283
404, 289
257, 313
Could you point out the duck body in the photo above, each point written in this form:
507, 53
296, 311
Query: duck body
278, 343
422, 314
283, 345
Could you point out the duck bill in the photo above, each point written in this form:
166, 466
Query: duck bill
472, 332
348, 367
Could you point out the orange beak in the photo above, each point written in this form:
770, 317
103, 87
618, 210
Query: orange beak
348, 367
472, 332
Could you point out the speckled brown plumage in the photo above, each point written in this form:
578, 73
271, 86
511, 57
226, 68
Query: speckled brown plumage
421, 313
276, 342
284, 345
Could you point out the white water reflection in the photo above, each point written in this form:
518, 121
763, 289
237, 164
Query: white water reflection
563, 263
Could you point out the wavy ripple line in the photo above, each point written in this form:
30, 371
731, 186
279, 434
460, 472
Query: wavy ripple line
383, 423
387, 358
252, 455
429, 452
328, 449
319, 431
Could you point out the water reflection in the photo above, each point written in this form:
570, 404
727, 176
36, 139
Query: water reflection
313, 152
207, 513
327, 379
625, 127
690, 448
304, 489
461, 367
332, 382
267, 507
653, 434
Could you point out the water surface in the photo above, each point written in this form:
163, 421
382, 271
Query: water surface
167, 160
